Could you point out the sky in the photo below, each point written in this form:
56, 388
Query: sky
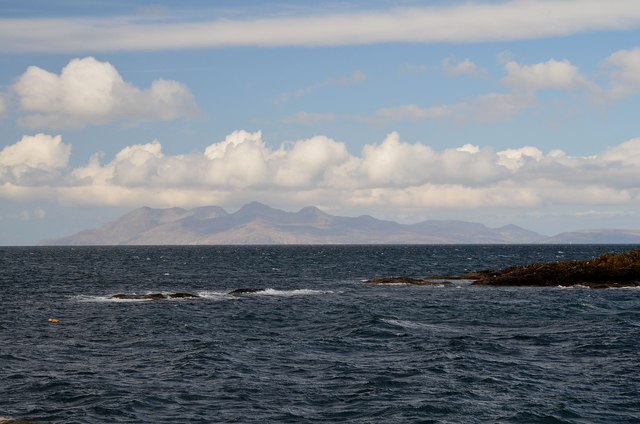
500, 112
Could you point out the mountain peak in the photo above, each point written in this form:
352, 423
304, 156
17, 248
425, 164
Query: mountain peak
255, 207
311, 211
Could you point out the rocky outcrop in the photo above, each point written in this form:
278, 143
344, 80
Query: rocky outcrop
155, 296
248, 290
610, 270
409, 280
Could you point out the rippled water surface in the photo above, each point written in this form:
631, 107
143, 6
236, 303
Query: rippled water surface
318, 346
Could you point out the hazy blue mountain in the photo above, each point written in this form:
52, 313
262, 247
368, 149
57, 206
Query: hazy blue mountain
596, 236
256, 223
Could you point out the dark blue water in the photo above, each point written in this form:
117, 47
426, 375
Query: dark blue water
318, 346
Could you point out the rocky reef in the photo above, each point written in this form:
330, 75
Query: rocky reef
611, 270
179, 295
249, 290
155, 296
409, 280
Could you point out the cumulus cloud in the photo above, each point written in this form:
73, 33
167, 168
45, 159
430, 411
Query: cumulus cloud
308, 163
39, 151
465, 67
34, 159
625, 73
89, 91
390, 174
552, 74
467, 22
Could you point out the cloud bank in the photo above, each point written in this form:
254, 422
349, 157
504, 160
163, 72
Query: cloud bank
469, 22
91, 92
390, 175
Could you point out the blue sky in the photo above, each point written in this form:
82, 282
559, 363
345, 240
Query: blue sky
519, 111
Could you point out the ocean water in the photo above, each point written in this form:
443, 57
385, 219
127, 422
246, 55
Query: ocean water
318, 345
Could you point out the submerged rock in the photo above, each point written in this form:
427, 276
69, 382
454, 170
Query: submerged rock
407, 280
248, 290
608, 271
155, 296
4, 420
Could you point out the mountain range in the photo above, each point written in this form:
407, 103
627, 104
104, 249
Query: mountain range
256, 223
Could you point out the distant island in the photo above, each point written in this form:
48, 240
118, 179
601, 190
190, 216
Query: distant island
259, 224
611, 270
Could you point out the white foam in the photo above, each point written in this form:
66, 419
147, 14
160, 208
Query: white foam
203, 295
575, 286
291, 293
215, 295
105, 298
110, 298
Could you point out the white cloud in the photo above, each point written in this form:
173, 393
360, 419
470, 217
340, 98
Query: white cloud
392, 175
3, 105
552, 74
465, 67
411, 112
627, 153
519, 20
307, 161
513, 159
487, 107
39, 151
524, 82
88, 91
34, 159
625, 76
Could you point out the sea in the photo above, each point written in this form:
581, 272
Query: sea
318, 345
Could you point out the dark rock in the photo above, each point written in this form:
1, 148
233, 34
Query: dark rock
248, 290
155, 296
608, 271
181, 295
14, 421
407, 280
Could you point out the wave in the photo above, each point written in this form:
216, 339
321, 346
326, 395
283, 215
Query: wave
291, 293
200, 295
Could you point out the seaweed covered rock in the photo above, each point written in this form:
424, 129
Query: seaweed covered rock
607, 271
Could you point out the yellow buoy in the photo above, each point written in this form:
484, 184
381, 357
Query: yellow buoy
53, 320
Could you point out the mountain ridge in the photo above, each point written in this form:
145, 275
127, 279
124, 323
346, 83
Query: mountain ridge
257, 223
